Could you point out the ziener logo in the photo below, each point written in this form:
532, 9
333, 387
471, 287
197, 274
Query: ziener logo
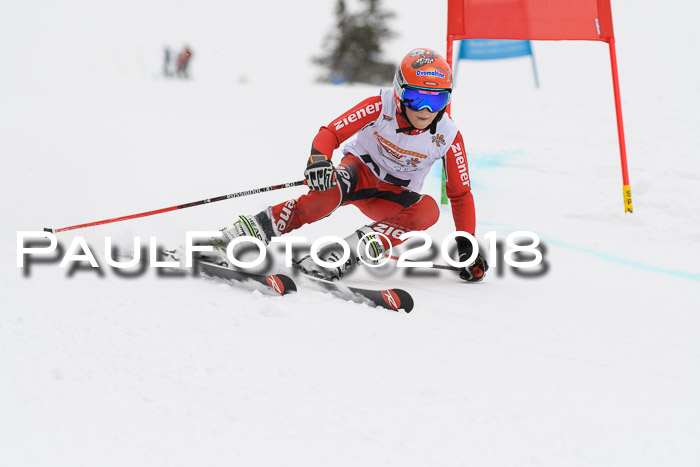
461, 164
357, 115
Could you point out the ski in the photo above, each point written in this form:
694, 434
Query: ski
390, 299
278, 283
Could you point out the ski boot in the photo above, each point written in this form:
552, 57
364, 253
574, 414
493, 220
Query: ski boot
371, 251
258, 226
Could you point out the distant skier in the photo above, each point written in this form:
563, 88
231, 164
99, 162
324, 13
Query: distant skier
166, 61
400, 134
183, 61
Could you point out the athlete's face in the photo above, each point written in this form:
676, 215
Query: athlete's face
421, 119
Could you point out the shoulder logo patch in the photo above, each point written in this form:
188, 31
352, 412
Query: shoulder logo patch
439, 140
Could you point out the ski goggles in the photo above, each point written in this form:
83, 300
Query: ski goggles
419, 99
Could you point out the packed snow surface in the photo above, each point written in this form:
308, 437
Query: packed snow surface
593, 362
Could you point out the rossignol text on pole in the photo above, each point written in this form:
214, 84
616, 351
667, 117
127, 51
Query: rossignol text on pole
179, 206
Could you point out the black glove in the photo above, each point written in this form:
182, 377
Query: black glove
320, 175
476, 271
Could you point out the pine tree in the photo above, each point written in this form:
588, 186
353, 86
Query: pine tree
355, 46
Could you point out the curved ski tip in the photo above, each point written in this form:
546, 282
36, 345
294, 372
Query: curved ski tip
398, 299
281, 284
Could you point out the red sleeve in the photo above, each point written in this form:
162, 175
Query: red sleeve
458, 186
330, 137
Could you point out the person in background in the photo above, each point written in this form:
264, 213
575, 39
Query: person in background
166, 61
183, 61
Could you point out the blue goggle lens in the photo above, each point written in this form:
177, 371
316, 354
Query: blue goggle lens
419, 99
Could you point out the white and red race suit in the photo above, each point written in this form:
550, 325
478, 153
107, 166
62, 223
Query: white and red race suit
383, 171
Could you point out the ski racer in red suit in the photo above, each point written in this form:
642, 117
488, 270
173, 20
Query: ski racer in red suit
399, 135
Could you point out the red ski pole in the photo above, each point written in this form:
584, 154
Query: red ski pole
180, 206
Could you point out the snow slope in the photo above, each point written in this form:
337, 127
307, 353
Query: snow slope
594, 363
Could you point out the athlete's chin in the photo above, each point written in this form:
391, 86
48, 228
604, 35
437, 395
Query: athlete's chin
423, 125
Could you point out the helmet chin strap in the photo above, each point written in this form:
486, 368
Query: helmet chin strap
409, 129
438, 117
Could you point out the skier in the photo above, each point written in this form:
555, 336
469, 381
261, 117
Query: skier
166, 61
183, 60
400, 134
